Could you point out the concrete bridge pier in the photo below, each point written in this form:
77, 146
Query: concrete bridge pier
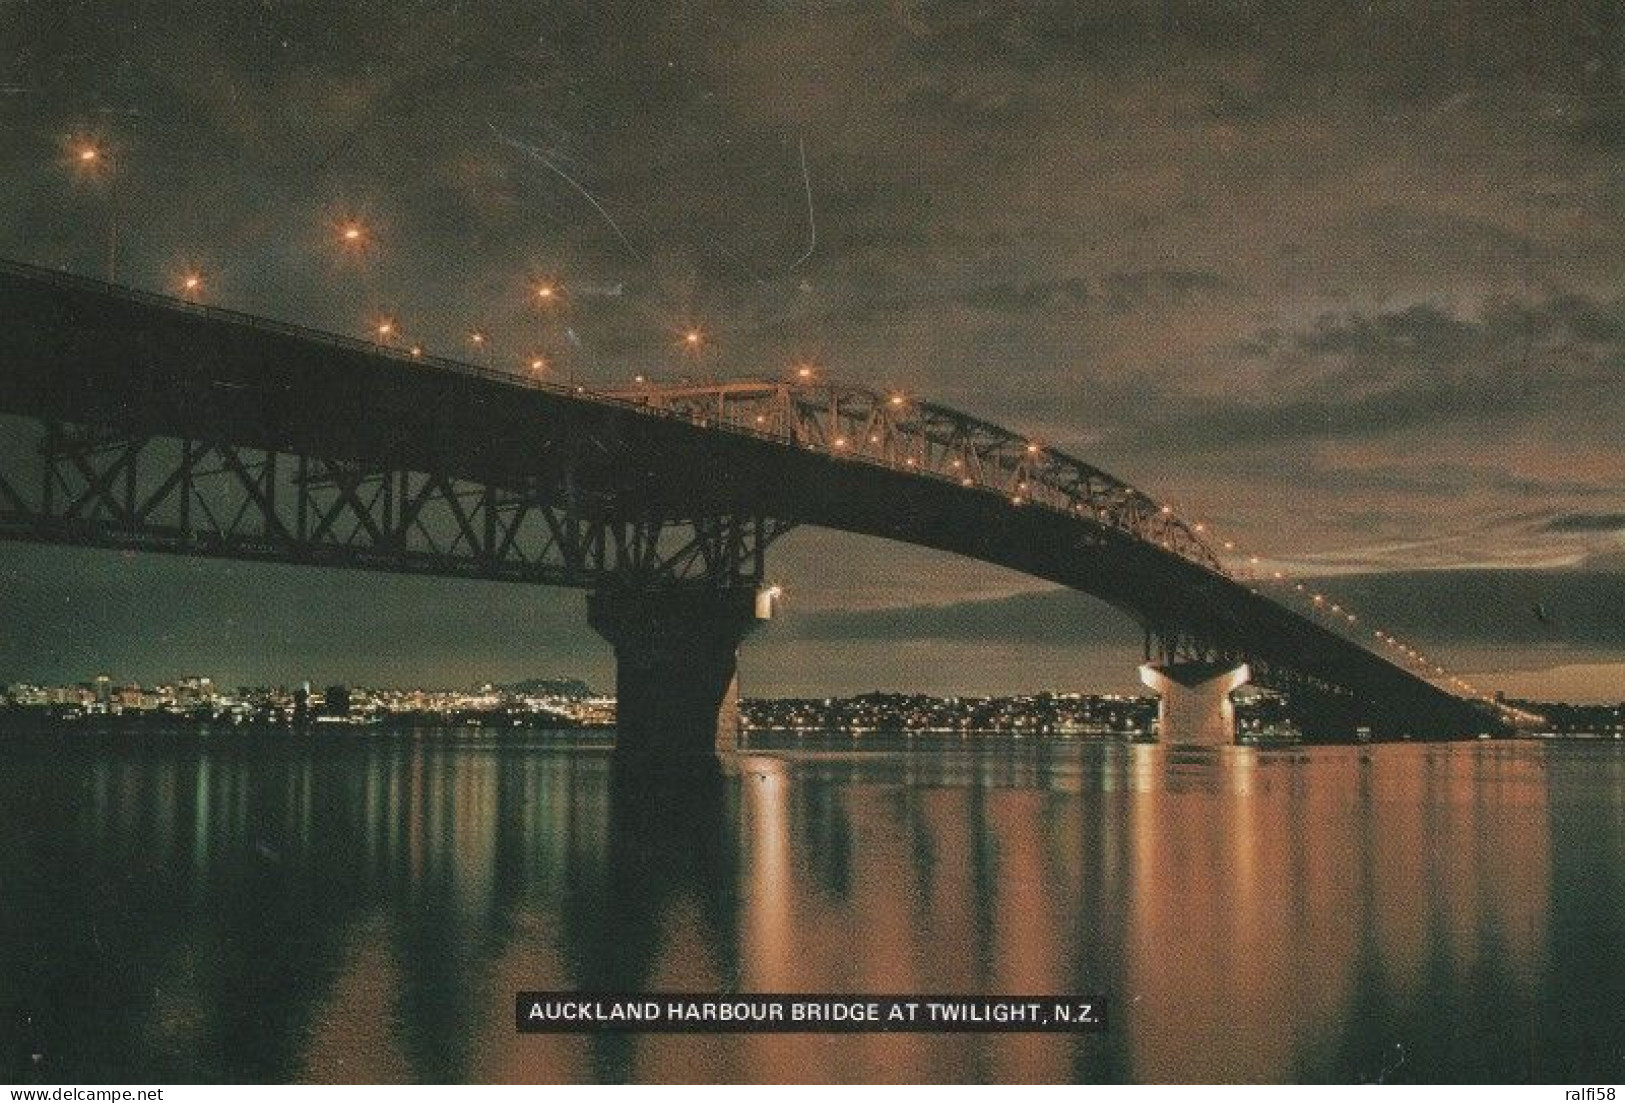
1195, 705
677, 663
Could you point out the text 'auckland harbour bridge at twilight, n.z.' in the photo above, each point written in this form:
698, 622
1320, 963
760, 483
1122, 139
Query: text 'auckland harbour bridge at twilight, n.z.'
138, 421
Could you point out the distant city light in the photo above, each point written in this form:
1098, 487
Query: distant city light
88, 159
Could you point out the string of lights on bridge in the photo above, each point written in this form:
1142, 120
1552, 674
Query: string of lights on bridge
354, 236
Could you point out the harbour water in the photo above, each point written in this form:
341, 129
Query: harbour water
183, 907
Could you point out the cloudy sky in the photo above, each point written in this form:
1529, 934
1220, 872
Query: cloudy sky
1344, 280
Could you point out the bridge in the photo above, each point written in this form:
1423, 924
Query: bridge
136, 421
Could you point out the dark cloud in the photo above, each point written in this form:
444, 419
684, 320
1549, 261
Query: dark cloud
1118, 292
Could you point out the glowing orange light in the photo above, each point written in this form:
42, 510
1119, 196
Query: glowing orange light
89, 154
692, 338
804, 373
538, 363
417, 350
896, 400
477, 337
546, 291
840, 442
385, 328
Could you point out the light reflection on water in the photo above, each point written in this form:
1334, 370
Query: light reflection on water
363, 908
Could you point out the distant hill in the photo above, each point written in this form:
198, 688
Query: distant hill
550, 687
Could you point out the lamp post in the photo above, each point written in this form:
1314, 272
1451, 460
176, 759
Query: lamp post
92, 160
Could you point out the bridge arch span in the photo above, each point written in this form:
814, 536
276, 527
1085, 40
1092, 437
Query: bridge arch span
332, 451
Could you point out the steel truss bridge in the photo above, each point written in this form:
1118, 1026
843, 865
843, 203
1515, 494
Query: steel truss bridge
136, 421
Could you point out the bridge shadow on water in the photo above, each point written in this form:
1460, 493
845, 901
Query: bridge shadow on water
364, 907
